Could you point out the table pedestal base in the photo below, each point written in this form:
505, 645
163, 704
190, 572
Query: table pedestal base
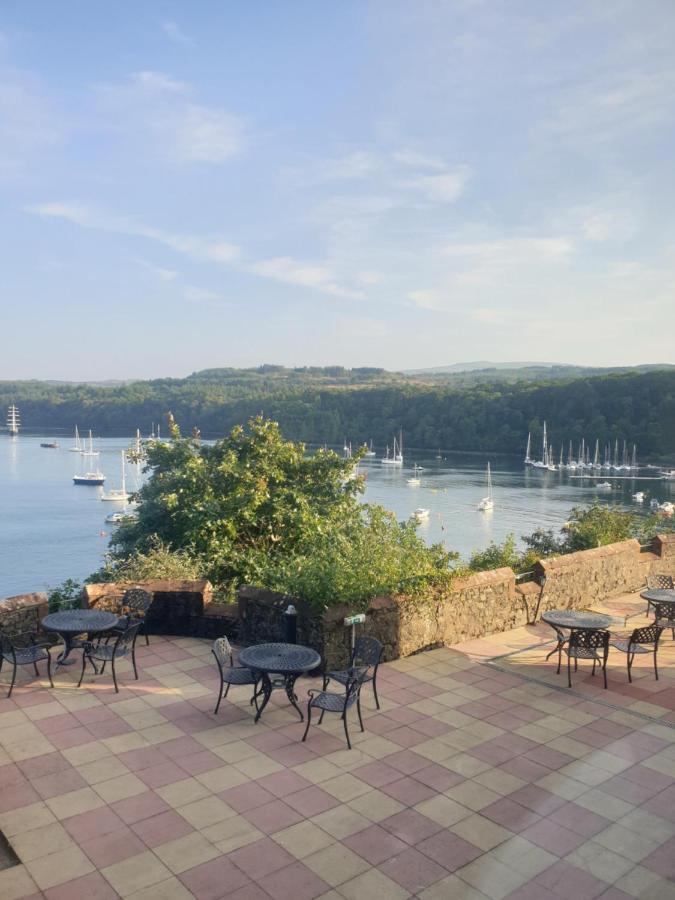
268, 685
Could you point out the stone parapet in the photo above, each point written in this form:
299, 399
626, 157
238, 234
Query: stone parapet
24, 613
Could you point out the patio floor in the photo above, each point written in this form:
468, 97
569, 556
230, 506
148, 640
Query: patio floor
480, 777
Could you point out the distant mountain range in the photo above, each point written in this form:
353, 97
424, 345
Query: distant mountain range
569, 368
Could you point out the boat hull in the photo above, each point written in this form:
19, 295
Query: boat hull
89, 479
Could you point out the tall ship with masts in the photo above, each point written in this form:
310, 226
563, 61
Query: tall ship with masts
13, 421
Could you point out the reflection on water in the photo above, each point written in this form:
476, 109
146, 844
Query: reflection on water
51, 530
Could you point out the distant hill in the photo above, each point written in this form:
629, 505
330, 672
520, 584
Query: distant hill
479, 365
561, 369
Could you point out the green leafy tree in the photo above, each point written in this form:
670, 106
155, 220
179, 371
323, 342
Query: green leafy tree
159, 561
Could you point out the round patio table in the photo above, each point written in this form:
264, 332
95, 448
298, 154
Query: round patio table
71, 622
285, 661
662, 596
580, 621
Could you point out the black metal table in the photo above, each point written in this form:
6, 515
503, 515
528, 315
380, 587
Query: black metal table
580, 621
662, 596
69, 623
286, 661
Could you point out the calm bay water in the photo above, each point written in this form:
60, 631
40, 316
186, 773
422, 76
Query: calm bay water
51, 530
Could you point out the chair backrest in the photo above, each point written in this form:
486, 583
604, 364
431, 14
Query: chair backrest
6, 644
367, 651
137, 599
354, 683
664, 611
589, 639
650, 634
222, 650
126, 639
660, 582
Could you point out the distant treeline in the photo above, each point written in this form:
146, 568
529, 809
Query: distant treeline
472, 413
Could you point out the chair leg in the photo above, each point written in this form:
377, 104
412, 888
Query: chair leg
11, 687
344, 722
560, 650
593, 671
309, 719
35, 669
133, 662
227, 689
377, 699
358, 709
656, 671
84, 663
114, 675
569, 671
321, 716
220, 695
604, 671
629, 662
49, 669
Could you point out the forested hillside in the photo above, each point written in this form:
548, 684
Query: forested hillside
469, 413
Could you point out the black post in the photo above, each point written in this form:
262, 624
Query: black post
290, 626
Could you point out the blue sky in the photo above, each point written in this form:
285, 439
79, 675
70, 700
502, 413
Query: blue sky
387, 183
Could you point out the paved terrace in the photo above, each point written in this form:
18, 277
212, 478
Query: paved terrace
477, 779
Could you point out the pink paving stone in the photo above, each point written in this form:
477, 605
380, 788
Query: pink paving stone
407, 761
162, 828
294, 882
615, 894
47, 764
247, 796
431, 727
196, 722
162, 774
449, 850
214, 879
142, 806
532, 890
547, 756
580, 820
510, 814
295, 755
250, 891
182, 746
269, 740
137, 760
537, 799
410, 826
648, 777
404, 715
514, 742
438, 778
113, 847
630, 791
94, 714
412, 870
492, 753
14, 796
58, 783
273, 816
425, 690
64, 740
565, 880
92, 824
282, 783
53, 724
662, 860
260, 858
10, 773
611, 728
401, 696
381, 724
408, 791
377, 774
109, 728
323, 743
93, 887
525, 769
197, 763
405, 736
375, 844
590, 736
553, 837
311, 801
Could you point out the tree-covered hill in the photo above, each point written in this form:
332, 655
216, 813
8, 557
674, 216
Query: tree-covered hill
482, 411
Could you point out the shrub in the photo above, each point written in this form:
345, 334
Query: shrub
159, 561
66, 596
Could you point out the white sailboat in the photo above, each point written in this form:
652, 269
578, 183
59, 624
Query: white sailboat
415, 479
397, 458
88, 449
420, 513
487, 502
118, 495
78, 446
370, 452
13, 421
528, 459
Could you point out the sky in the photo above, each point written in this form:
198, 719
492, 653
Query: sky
362, 183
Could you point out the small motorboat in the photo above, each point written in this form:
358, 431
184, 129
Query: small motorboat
119, 516
604, 486
639, 497
653, 503
50, 445
420, 513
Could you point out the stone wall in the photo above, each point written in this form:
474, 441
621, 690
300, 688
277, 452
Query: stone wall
22, 614
178, 607
480, 604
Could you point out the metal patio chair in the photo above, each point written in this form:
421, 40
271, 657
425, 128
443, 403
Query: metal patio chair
664, 616
658, 582
123, 647
587, 644
328, 701
562, 640
134, 607
640, 642
366, 655
24, 650
231, 674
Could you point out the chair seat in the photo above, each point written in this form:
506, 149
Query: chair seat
239, 675
583, 653
331, 702
665, 623
627, 647
346, 675
26, 655
105, 652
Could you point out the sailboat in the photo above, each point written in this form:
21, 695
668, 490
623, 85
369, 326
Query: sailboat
88, 449
118, 494
78, 447
397, 458
528, 458
370, 452
415, 480
13, 421
94, 478
487, 502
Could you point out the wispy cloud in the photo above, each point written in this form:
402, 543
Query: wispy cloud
290, 271
160, 111
201, 295
173, 31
